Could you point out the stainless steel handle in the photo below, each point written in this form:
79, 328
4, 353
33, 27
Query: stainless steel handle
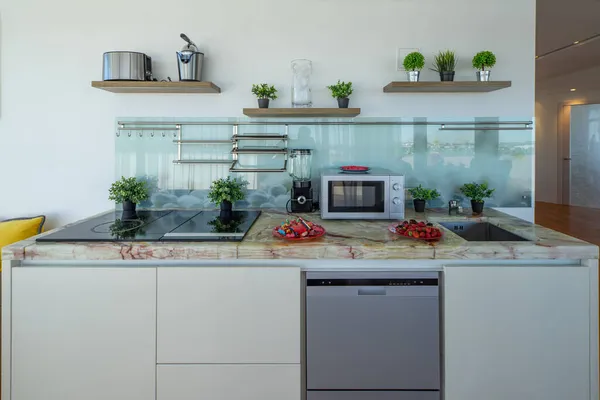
202, 141
201, 161
372, 291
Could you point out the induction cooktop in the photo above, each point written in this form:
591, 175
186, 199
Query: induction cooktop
162, 225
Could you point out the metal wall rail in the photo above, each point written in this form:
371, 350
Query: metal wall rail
127, 125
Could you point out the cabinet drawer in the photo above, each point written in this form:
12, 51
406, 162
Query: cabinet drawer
228, 382
229, 315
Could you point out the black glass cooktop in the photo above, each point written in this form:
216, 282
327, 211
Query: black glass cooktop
164, 225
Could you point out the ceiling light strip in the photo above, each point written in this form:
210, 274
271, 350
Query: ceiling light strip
577, 43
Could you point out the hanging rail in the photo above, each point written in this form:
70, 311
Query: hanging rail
123, 125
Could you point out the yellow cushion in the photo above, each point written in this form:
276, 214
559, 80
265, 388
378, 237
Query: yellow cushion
14, 230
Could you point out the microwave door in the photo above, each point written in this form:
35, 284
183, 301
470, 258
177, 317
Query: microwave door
350, 190
356, 199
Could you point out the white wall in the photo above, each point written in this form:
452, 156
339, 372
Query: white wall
56, 133
550, 96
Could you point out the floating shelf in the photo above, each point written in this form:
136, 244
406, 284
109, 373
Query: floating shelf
156, 87
301, 112
445, 87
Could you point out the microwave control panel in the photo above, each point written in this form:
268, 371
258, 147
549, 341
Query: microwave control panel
396, 197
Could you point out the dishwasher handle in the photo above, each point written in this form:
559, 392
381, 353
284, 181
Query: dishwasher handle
372, 291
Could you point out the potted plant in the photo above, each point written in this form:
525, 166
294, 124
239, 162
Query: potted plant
413, 64
482, 60
128, 191
445, 64
264, 93
227, 191
341, 91
477, 192
421, 195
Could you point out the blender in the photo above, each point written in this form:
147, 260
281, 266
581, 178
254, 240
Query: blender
300, 164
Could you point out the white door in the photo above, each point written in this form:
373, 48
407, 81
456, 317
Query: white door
83, 333
232, 315
581, 157
518, 333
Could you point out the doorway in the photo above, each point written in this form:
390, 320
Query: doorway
580, 155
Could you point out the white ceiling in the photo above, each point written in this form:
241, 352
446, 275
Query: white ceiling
559, 24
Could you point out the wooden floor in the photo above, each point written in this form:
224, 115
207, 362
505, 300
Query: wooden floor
582, 223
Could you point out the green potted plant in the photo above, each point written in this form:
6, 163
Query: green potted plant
482, 60
413, 64
421, 195
477, 192
341, 91
445, 64
129, 191
264, 93
227, 191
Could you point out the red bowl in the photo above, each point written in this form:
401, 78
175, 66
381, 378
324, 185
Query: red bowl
392, 229
354, 168
320, 232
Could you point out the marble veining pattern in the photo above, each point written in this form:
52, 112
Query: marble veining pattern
344, 240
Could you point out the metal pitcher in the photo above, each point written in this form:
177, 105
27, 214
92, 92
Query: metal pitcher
189, 61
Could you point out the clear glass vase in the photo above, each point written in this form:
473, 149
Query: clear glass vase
301, 93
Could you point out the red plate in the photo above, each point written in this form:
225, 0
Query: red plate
354, 168
392, 228
320, 232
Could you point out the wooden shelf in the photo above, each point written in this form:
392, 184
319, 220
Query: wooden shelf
301, 112
156, 87
445, 87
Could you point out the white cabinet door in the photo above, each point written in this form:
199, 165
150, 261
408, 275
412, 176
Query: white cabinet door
228, 382
83, 333
235, 315
518, 333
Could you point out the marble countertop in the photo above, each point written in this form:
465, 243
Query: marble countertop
368, 240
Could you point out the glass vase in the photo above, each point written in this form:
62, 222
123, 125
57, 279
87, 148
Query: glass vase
301, 93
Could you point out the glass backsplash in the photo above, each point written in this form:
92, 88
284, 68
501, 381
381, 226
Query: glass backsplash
441, 154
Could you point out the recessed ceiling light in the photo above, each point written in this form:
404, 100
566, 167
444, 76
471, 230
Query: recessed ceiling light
572, 90
576, 42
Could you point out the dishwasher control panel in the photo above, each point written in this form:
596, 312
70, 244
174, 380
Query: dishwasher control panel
373, 282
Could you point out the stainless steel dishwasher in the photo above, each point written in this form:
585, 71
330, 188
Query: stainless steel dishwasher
372, 336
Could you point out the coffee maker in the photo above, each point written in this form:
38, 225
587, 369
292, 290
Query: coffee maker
300, 165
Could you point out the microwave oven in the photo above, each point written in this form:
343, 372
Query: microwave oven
376, 194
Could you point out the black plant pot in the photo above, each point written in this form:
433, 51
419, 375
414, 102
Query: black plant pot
129, 205
226, 205
226, 212
477, 206
343, 103
447, 76
419, 205
129, 210
263, 103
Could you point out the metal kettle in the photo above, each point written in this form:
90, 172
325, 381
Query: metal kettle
189, 61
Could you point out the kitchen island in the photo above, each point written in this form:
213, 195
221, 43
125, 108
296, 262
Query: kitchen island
225, 320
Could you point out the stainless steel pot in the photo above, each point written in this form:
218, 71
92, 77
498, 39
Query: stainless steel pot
189, 61
126, 66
